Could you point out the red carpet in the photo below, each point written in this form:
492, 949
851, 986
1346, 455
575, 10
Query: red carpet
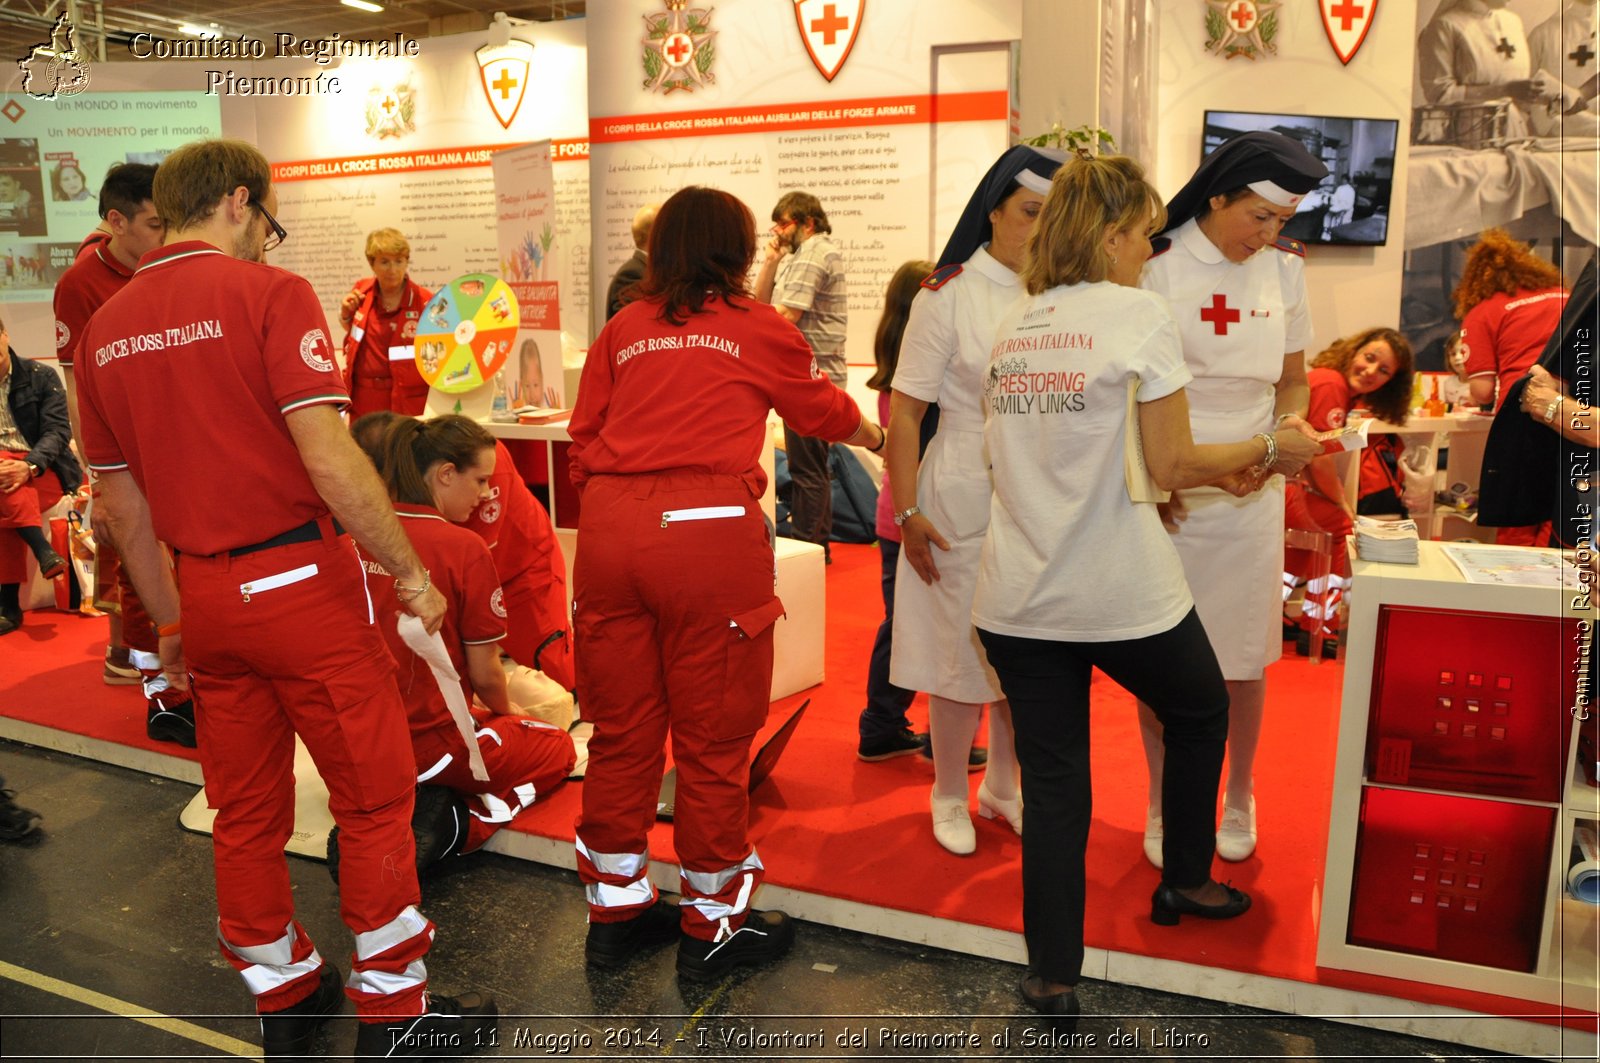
830, 824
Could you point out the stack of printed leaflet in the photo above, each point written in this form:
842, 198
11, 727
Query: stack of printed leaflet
1391, 541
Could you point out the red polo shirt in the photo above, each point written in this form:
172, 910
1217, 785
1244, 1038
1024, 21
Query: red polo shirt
1505, 334
94, 277
459, 565
655, 396
186, 376
512, 521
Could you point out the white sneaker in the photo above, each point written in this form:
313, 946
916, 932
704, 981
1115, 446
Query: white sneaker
1153, 835
952, 824
1236, 838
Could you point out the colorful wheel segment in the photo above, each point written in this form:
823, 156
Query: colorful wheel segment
466, 333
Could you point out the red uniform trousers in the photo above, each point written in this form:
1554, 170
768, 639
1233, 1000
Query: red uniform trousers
1309, 511
526, 760
536, 624
303, 657
1527, 535
368, 394
673, 614
23, 508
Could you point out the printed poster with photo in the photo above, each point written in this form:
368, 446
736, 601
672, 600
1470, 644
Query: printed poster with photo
1500, 137
531, 252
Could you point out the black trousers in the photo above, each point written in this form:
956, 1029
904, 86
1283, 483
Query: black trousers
1047, 685
811, 488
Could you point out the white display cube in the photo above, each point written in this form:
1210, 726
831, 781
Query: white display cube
799, 635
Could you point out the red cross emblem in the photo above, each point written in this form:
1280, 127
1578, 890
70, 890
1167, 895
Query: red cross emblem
1219, 314
678, 48
828, 29
1346, 23
503, 73
1242, 15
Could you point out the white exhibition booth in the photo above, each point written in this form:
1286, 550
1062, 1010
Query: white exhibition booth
890, 122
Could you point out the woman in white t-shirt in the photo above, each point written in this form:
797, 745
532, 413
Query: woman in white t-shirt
1075, 575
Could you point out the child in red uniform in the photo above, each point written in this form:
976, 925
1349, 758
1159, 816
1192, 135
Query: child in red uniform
1371, 369
437, 472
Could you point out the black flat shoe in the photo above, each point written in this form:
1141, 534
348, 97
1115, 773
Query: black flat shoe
1167, 904
1061, 1008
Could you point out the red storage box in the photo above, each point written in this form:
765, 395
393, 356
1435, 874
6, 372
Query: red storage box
1456, 878
1471, 702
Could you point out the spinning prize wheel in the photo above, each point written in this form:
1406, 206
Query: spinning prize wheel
466, 333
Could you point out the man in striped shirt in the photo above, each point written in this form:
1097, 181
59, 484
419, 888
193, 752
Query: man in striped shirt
803, 277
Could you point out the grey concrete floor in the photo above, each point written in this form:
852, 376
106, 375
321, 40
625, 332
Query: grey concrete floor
114, 898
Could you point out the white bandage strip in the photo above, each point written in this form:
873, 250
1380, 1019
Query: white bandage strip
431, 649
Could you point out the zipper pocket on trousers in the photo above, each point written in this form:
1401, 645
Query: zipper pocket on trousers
273, 582
701, 513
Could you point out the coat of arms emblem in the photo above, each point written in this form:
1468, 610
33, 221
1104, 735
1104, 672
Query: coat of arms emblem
829, 28
503, 72
1247, 28
391, 110
1346, 23
679, 47
57, 67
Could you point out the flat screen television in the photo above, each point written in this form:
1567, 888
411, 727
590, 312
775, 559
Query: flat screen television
1352, 204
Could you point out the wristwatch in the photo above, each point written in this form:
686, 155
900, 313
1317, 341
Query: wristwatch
904, 515
34, 472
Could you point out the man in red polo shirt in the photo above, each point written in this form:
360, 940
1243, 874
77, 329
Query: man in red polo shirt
130, 227
210, 408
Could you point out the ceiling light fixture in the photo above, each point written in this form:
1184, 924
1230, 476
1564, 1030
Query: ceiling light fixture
363, 5
197, 31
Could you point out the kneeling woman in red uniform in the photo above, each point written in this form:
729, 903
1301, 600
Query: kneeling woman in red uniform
1372, 369
437, 472
674, 602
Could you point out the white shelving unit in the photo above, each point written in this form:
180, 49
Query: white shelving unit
1565, 970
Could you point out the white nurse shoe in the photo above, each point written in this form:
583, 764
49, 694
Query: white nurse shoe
952, 824
1236, 838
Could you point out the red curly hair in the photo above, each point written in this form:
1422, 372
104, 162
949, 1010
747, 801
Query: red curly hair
1499, 263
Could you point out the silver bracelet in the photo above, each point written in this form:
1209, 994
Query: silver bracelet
1550, 410
1272, 449
1282, 417
414, 592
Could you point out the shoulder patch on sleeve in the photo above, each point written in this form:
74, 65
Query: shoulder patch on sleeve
1294, 247
940, 277
1160, 245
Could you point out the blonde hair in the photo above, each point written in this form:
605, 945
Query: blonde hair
387, 242
1087, 196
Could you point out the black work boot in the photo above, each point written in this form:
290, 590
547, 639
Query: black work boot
288, 1034
764, 936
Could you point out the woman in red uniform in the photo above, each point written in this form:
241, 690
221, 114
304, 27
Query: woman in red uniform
674, 602
530, 564
380, 318
1509, 301
1372, 369
437, 472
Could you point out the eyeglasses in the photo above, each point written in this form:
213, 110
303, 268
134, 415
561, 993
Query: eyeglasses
279, 233
781, 227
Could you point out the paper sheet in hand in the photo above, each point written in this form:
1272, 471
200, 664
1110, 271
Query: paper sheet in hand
431, 649
1141, 486
1350, 437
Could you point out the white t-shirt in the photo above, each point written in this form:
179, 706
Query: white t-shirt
1069, 557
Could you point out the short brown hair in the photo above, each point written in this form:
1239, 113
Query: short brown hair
802, 207
1087, 196
192, 180
387, 242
